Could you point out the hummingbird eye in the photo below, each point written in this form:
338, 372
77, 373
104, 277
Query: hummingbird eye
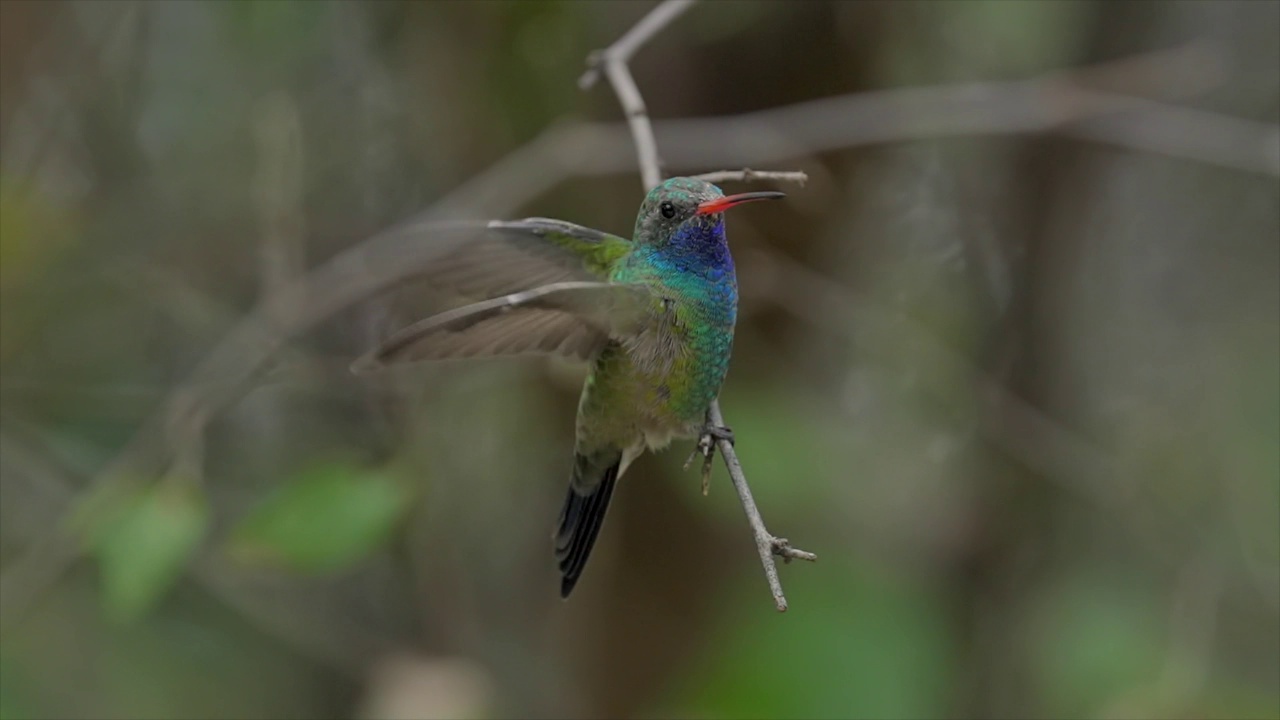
667, 209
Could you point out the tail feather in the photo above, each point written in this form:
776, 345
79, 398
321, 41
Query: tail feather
583, 514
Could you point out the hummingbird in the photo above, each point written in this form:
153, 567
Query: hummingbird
654, 315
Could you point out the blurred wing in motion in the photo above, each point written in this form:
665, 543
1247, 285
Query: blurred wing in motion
517, 255
574, 318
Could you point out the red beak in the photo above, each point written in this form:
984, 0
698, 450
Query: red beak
719, 205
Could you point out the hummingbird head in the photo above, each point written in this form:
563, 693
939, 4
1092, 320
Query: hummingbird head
690, 208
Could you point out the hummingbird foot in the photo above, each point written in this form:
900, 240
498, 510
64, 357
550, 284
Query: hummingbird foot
707, 448
717, 432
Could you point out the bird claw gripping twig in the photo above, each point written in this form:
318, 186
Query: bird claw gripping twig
716, 432
706, 446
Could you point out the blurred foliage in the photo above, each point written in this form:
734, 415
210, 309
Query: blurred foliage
325, 520
144, 546
1032, 429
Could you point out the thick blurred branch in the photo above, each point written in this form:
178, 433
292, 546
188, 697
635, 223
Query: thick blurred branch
1124, 103
615, 62
1121, 103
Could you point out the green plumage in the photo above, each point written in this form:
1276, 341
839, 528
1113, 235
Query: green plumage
654, 315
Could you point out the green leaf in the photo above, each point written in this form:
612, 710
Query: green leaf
144, 548
325, 520
100, 510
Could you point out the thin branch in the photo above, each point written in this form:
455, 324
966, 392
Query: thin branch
767, 544
748, 175
635, 38
638, 119
615, 64
614, 60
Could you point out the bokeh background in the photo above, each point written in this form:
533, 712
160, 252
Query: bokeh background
1019, 389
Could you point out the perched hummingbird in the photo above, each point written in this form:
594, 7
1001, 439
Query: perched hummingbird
654, 315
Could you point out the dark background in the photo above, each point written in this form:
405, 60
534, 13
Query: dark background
1020, 391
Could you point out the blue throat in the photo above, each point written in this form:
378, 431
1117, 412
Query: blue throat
698, 249
695, 262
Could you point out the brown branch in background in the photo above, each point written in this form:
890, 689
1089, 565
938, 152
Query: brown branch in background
615, 59
1124, 103
1109, 103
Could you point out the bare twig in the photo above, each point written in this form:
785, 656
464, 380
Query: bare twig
749, 175
635, 38
615, 64
638, 119
767, 544
614, 59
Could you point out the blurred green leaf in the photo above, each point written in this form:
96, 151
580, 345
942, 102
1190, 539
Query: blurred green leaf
143, 550
99, 510
324, 520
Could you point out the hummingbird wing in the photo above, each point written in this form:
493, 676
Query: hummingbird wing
574, 318
515, 255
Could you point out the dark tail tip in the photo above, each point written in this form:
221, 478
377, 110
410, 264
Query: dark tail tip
581, 518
